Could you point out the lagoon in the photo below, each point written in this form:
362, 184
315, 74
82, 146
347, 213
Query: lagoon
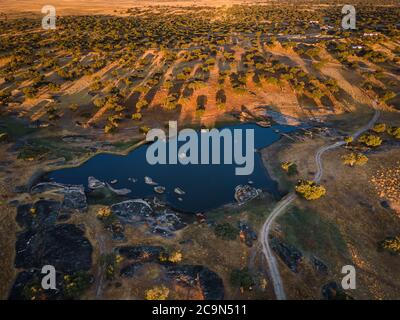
206, 186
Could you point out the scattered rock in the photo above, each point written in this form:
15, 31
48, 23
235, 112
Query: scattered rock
74, 195
186, 241
141, 253
192, 275
163, 222
31, 276
166, 222
245, 193
93, 183
74, 198
200, 217
331, 291
319, 266
130, 270
4, 137
120, 192
159, 189
20, 189
290, 255
149, 181
247, 234
385, 204
42, 214
131, 210
179, 191
13, 203
63, 217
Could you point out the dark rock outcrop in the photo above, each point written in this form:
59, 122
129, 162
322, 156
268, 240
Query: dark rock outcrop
74, 195
249, 234
130, 270
331, 291
30, 277
94, 183
210, 283
319, 266
132, 210
74, 198
290, 255
141, 253
63, 246
162, 222
42, 214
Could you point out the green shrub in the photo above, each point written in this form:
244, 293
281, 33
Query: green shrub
290, 168
394, 132
241, 278
379, 128
391, 244
352, 159
370, 140
226, 231
74, 285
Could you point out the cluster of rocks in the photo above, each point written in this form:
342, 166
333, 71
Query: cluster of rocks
192, 276
74, 195
62, 246
131, 211
210, 283
141, 253
332, 291
289, 254
95, 184
245, 193
163, 221
247, 233
292, 257
29, 277
44, 242
319, 266
44, 213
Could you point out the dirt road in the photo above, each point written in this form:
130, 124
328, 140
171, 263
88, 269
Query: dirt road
287, 200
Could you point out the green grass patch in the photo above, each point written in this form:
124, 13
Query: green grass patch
312, 233
49, 148
123, 145
15, 128
226, 231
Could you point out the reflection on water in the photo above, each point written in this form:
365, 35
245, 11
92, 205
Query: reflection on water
205, 186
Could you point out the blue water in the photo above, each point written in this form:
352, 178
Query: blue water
206, 186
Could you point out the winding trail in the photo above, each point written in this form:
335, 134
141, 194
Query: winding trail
288, 199
100, 270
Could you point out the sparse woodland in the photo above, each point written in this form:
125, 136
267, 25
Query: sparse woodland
115, 68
